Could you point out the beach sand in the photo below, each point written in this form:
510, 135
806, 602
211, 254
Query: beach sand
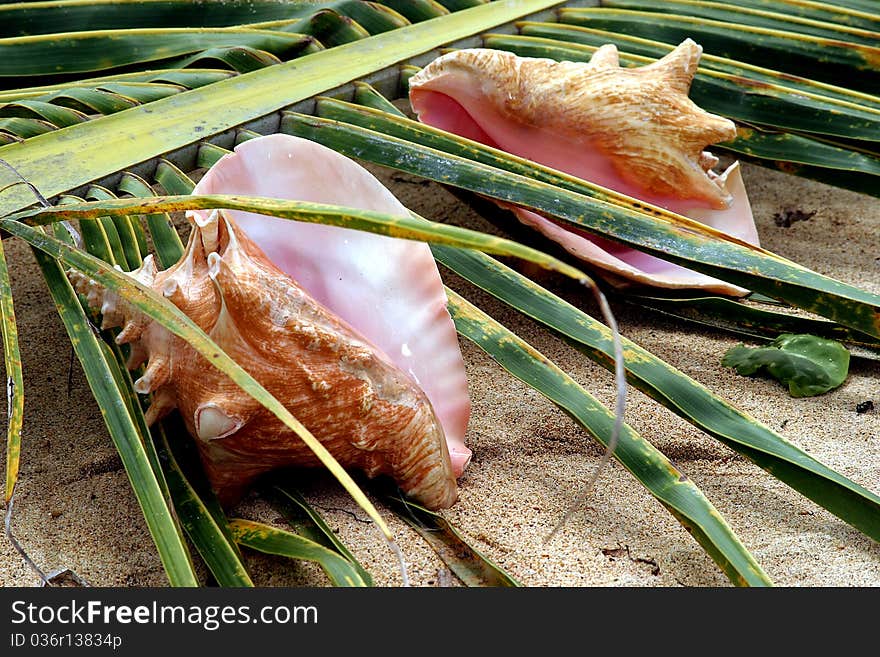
75, 508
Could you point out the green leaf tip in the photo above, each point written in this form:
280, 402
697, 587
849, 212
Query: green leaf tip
810, 365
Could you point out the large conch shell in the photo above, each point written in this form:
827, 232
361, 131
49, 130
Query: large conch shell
632, 130
362, 403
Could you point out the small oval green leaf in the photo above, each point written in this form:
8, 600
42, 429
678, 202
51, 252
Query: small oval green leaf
810, 365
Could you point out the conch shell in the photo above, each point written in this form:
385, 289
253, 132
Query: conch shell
388, 289
631, 130
368, 411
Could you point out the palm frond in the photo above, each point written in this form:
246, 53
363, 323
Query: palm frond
153, 90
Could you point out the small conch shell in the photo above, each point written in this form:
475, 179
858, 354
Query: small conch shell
367, 411
633, 130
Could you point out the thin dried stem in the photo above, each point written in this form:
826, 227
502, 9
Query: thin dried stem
7, 527
619, 410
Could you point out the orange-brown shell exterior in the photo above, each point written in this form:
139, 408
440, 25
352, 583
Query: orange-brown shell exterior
367, 413
641, 118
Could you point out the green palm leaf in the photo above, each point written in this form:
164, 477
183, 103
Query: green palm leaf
809, 158
821, 11
14, 378
463, 559
715, 311
769, 19
330, 28
84, 52
753, 319
265, 538
201, 516
120, 142
29, 18
308, 523
60, 116
199, 513
23, 128
241, 59
87, 93
412, 227
851, 163
673, 389
169, 248
417, 10
824, 58
456, 5
469, 564
867, 7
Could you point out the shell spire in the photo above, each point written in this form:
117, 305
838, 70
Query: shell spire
679, 66
605, 57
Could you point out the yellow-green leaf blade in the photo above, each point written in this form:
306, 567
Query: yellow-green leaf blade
268, 539
410, 227
810, 56
119, 141
468, 564
207, 528
14, 378
84, 52
307, 522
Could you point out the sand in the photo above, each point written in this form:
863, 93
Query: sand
75, 508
